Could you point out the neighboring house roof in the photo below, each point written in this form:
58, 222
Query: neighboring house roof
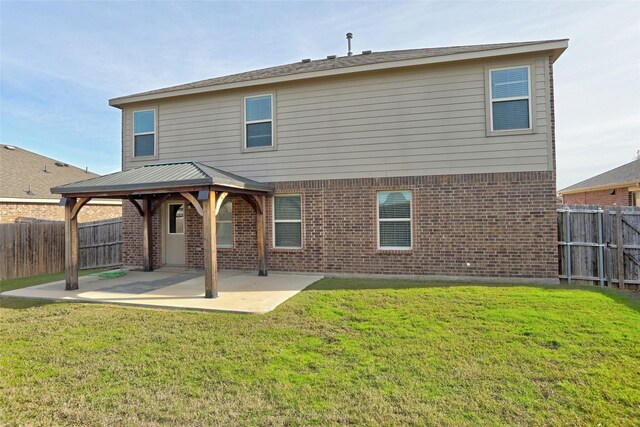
628, 174
345, 64
26, 176
162, 176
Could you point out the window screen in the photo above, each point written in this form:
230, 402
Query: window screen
144, 133
287, 221
258, 122
510, 99
394, 219
224, 225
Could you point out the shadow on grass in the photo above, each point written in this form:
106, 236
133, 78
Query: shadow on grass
629, 298
22, 303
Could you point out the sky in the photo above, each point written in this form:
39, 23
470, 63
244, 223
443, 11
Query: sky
61, 61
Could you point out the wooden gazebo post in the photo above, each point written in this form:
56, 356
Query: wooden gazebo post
70, 245
210, 247
147, 233
72, 207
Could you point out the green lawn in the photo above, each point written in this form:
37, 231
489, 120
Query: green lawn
357, 352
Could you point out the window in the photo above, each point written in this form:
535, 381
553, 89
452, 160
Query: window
258, 119
394, 220
510, 101
176, 218
224, 225
287, 221
144, 133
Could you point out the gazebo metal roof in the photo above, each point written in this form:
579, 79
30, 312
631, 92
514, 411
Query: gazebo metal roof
162, 176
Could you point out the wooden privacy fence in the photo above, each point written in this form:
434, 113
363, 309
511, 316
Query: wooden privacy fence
599, 245
37, 247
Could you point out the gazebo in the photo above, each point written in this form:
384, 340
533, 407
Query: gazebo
147, 188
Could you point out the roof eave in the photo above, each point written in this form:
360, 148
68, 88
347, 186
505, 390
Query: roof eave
570, 190
557, 47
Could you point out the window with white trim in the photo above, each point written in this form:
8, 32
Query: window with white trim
224, 225
287, 221
176, 218
144, 133
510, 99
258, 121
394, 220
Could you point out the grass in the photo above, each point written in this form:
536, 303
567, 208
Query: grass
23, 282
356, 352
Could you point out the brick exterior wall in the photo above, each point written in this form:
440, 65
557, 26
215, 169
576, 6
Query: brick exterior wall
622, 197
483, 225
9, 212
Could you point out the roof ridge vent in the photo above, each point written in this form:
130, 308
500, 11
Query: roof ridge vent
366, 52
331, 57
306, 60
9, 147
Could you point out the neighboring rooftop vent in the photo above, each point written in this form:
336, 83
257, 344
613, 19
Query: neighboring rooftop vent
331, 57
29, 191
45, 169
86, 169
349, 37
61, 165
306, 60
9, 147
366, 52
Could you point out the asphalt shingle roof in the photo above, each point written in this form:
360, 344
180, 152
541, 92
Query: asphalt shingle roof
162, 176
21, 169
624, 174
340, 62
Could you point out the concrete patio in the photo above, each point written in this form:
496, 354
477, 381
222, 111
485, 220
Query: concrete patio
241, 292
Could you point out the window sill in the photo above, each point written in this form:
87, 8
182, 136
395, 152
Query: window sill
287, 250
510, 132
258, 149
408, 251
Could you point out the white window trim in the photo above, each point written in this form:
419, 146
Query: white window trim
273, 216
489, 100
410, 219
232, 228
184, 218
245, 123
154, 133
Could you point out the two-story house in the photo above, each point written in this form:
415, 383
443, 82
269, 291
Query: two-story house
422, 162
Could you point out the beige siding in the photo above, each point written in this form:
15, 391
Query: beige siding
395, 123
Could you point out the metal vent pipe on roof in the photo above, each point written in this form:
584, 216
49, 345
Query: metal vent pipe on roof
349, 37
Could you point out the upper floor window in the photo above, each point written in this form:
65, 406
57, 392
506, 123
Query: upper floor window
144, 133
510, 99
394, 220
258, 119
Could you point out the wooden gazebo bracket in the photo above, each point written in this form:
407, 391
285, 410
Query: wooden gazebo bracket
196, 204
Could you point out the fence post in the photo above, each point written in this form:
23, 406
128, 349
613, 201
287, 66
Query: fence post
600, 215
620, 247
568, 241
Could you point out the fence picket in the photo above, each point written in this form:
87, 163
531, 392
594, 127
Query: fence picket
591, 238
34, 247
